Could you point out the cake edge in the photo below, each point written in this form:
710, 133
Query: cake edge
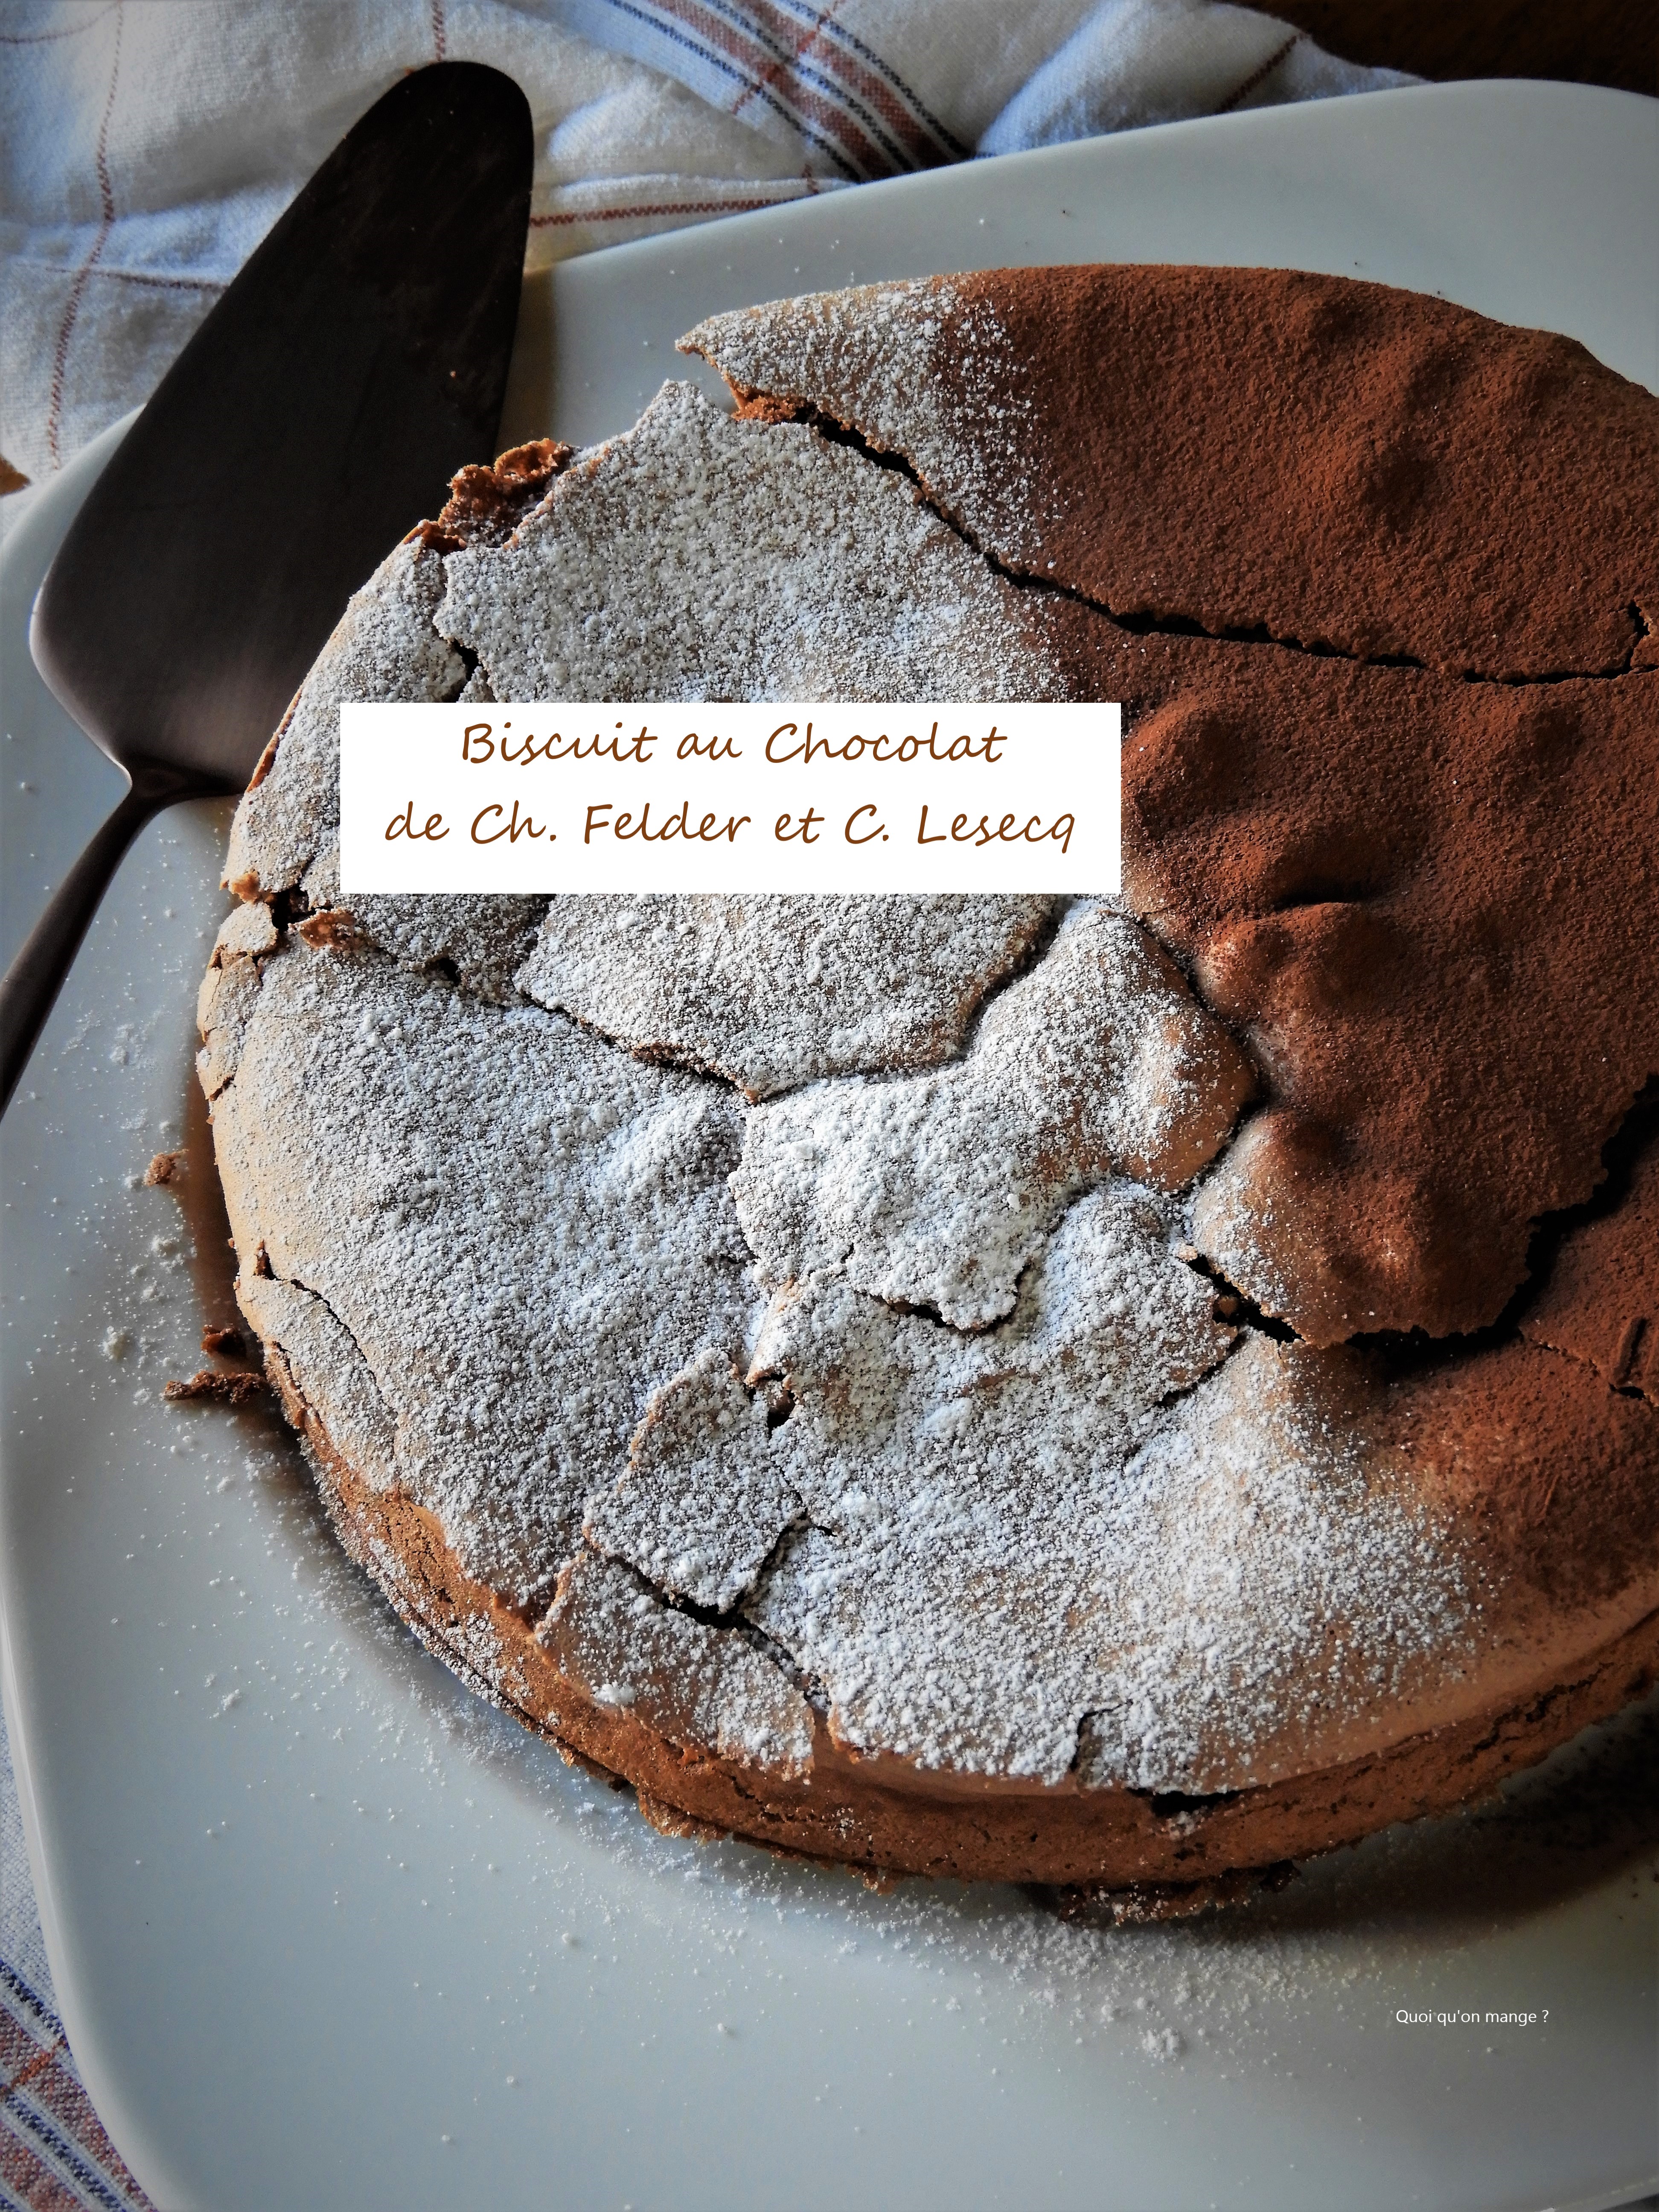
1163, 1856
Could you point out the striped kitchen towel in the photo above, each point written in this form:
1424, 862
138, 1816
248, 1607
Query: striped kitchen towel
54, 2150
146, 149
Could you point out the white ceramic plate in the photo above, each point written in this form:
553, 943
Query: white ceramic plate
327, 1931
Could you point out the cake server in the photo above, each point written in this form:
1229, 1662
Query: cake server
358, 360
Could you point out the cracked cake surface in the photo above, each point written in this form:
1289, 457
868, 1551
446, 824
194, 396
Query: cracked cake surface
1346, 436
922, 1381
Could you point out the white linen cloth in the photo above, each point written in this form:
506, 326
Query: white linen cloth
146, 146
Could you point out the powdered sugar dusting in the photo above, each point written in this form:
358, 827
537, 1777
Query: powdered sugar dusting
867, 355
1057, 1543
478, 937
922, 369
1215, 1588
697, 557
386, 648
1291, 1598
707, 1489
936, 1191
1237, 1217
770, 992
523, 1230
954, 1585
326, 1369
703, 1687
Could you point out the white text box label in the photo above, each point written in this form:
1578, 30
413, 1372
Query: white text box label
595, 796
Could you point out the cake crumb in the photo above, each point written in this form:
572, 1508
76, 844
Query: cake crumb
230, 1389
335, 927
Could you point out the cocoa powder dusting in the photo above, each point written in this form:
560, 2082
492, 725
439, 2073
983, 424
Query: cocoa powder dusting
1383, 473
1414, 898
1557, 1473
1256, 451
1601, 1302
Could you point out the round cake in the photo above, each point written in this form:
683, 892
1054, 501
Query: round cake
1113, 1393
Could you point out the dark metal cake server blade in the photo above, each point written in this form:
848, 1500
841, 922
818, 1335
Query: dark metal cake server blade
358, 360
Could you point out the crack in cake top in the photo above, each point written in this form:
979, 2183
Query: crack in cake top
1336, 465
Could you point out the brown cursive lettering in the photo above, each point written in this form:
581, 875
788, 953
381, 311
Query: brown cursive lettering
511, 828
882, 748
964, 830
403, 825
692, 747
708, 831
478, 744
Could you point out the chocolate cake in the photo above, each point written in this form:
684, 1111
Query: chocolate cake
1113, 1393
